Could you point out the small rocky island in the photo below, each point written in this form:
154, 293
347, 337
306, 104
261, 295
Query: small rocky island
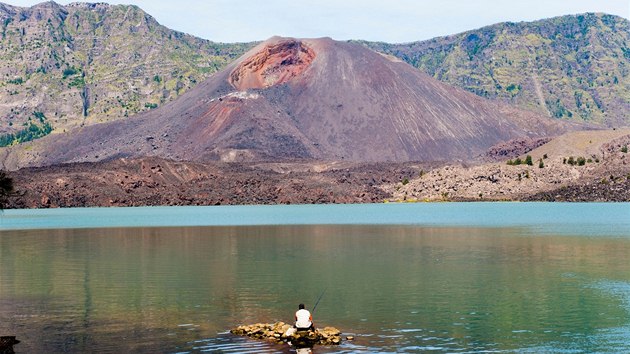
279, 333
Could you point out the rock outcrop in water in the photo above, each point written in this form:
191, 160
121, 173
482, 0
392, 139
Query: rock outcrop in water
7, 343
277, 332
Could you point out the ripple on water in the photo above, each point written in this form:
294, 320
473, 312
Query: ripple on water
226, 343
606, 340
619, 289
615, 338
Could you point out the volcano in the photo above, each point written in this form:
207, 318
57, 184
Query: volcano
303, 99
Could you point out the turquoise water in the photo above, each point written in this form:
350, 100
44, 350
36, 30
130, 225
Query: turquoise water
569, 218
478, 277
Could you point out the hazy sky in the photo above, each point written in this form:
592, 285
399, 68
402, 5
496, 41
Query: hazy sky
390, 21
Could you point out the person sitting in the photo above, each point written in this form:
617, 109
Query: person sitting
303, 319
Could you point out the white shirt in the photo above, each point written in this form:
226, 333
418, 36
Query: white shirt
303, 319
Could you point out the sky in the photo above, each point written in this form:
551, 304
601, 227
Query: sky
393, 21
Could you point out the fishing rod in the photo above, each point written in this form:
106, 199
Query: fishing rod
319, 298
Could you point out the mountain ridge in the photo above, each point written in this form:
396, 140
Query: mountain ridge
304, 99
80, 64
572, 66
85, 63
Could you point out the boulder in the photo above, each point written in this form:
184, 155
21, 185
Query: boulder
7, 343
280, 332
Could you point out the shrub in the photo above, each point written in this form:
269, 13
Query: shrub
541, 164
528, 160
624, 149
77, 82
16, 81
515, 162
40, 116
581, 161
405, 182
69, 72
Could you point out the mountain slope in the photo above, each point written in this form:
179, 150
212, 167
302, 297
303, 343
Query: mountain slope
565, 67
88, 63
312, 98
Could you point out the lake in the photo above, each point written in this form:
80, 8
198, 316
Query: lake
446, 277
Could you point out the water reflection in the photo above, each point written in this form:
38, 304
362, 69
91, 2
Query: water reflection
403, 289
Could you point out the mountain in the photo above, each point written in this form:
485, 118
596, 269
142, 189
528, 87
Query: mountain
574, 66
307, 99
65, 66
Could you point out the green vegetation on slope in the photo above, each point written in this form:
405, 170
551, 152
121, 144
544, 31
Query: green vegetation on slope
32, 130
89, 63
571, 67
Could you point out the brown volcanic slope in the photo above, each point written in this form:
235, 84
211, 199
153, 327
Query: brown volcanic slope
312, 98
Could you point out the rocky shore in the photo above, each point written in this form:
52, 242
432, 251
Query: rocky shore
279, 333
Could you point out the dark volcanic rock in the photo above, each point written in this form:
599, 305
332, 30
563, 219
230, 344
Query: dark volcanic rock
153, 181
607, 189
7, 343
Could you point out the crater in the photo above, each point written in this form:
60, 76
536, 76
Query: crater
275, 64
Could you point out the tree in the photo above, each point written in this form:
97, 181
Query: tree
6, 188
528, 160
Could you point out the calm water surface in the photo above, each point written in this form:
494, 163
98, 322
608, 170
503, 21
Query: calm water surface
401, 278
